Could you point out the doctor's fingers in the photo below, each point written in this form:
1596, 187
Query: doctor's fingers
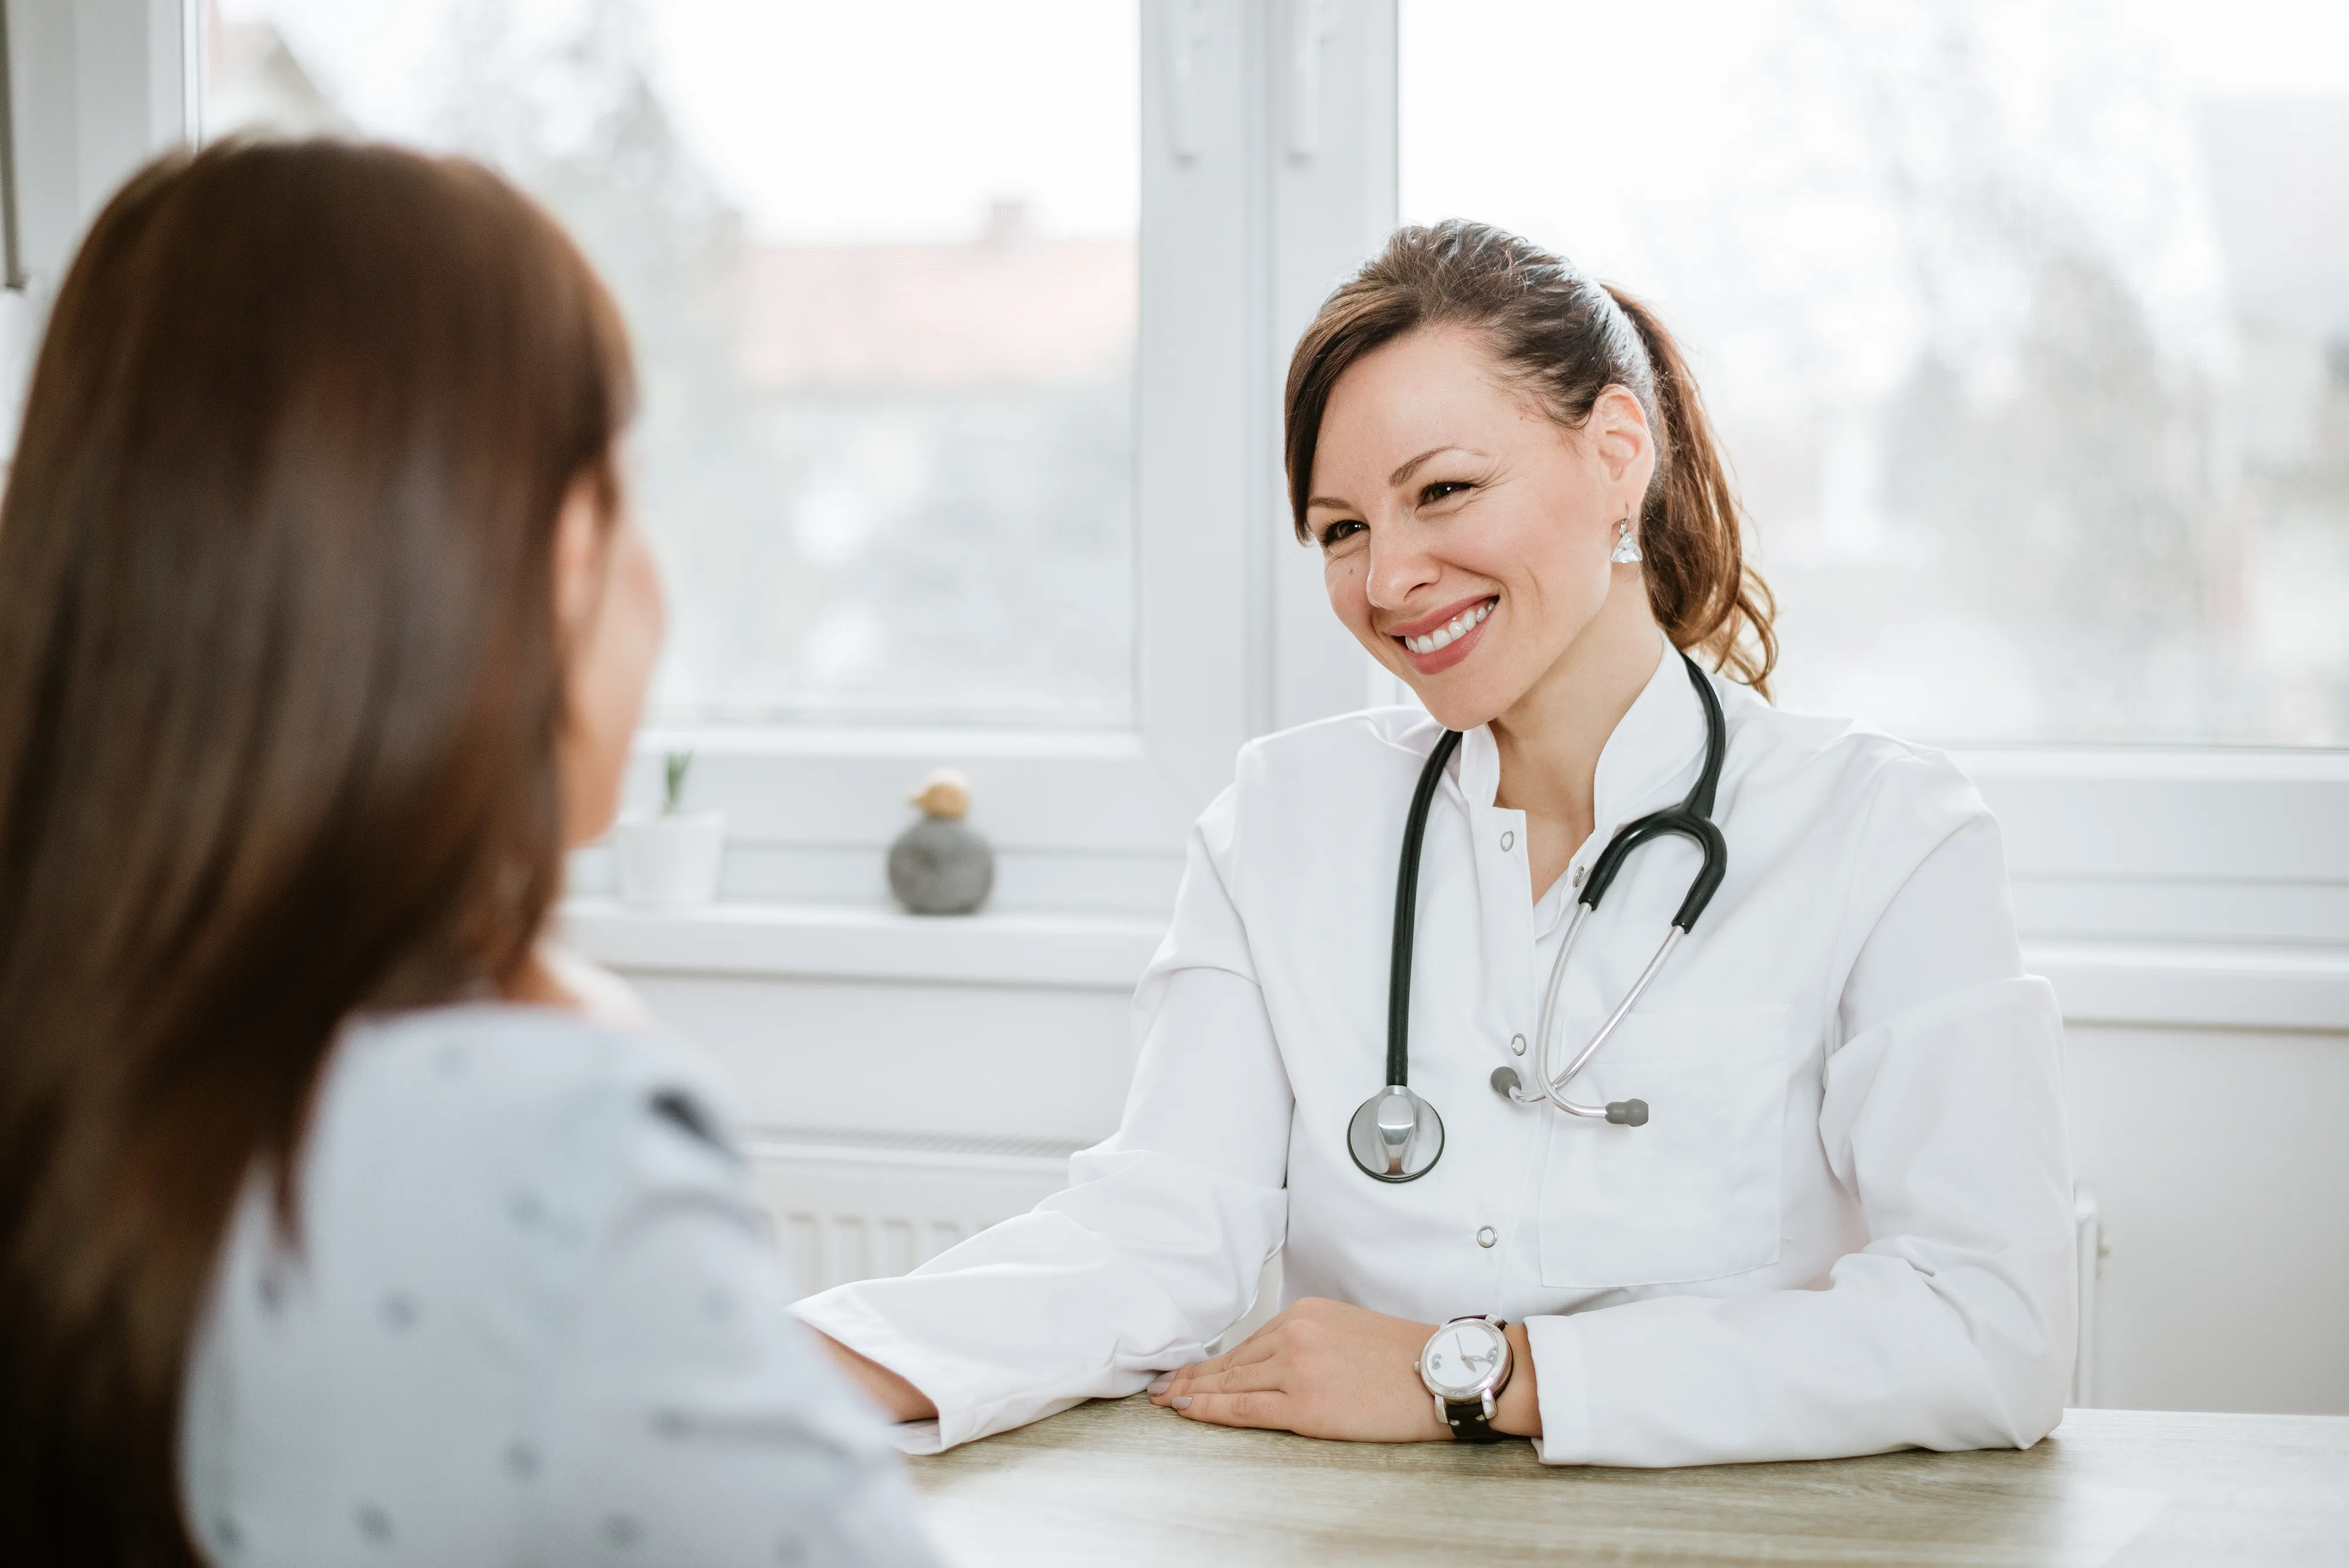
1258, 1346
1261, 1345
1267, 1408
1253, 1378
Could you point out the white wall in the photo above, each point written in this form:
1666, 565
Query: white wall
2222, 1166
1043, 1064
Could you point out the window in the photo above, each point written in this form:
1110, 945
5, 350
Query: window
880, 267
2026, 327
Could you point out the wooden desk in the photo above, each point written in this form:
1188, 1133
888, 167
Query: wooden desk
1124, 1485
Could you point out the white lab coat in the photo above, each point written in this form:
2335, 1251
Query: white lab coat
1848, 1228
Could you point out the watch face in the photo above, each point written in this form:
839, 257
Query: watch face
1463, 1358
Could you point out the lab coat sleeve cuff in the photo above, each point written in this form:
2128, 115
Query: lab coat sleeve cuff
1561, 1390
967, 1410
839, 1316
916, 1438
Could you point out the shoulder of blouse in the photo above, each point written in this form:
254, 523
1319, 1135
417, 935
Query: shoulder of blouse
527, 1100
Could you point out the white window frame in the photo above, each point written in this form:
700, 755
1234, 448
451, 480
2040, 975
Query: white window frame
2180, 887
95, 88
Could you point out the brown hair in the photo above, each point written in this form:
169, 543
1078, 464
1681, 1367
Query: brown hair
279, 698
1566, 339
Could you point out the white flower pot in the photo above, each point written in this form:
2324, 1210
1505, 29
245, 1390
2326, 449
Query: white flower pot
666, 862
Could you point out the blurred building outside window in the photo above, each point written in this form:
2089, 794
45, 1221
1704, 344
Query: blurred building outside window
879, 265
2026, 325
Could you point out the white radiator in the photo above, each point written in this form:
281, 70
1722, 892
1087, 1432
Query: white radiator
861, 1206
864, 1206
2089, 1220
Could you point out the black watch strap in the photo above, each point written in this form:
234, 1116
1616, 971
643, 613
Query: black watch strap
1469, 1425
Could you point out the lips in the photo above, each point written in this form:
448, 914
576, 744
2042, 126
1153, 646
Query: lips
1451, 630
1436, 642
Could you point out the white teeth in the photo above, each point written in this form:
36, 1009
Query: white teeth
1451, 632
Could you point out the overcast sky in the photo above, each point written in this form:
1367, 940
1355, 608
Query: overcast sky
821, 120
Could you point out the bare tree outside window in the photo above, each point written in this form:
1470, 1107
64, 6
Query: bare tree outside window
2027, 327
880, 267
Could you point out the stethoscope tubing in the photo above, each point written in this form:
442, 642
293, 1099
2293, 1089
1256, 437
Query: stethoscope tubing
1406, 920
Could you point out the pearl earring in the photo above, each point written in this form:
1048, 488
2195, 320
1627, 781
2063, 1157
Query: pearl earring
1627, 549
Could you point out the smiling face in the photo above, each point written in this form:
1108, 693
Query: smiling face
1465, 531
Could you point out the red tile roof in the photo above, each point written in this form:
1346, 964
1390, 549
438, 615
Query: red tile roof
1007, 310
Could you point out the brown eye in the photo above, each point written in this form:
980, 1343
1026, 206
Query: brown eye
1336, 533
1442, 490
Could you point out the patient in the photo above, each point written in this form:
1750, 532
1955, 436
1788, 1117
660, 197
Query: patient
335, 1226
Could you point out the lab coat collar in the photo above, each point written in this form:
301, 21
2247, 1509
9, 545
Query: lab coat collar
1653, 744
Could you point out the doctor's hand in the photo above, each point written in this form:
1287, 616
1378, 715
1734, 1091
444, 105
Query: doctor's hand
1325, 1369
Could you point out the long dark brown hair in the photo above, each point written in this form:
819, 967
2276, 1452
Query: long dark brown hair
1566, 339
280, 697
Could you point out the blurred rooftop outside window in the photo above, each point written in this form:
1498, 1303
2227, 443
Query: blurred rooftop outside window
879, 264
2026, 325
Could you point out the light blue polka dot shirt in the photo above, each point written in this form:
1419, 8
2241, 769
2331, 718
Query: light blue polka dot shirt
535, 1316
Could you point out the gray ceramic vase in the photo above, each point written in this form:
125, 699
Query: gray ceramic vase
940, 865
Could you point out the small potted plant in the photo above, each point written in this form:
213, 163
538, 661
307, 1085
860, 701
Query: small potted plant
672, 859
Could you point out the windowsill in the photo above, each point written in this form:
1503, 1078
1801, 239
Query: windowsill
2197, 984
2159, 984
817, 941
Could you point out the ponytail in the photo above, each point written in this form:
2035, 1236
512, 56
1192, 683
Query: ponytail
1566, 339
1703, 592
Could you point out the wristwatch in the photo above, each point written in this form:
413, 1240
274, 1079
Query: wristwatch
1466, 1366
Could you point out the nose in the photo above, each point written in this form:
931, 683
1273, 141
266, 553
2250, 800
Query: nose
1399, 568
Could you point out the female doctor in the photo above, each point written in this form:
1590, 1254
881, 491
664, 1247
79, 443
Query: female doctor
1809, 1197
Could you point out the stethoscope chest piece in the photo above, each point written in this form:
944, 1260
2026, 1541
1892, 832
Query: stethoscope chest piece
1396, 1135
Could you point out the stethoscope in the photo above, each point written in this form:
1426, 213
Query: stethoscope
1397, 1136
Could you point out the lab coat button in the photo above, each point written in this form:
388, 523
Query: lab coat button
1508, 842
1518, 1045
1486, 1237
1580, 872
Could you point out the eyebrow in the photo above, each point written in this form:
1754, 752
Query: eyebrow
1400, 476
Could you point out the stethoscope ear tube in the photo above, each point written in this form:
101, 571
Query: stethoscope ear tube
1621, 1113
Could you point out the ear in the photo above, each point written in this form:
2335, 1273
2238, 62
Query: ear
1619, 438
579, 560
